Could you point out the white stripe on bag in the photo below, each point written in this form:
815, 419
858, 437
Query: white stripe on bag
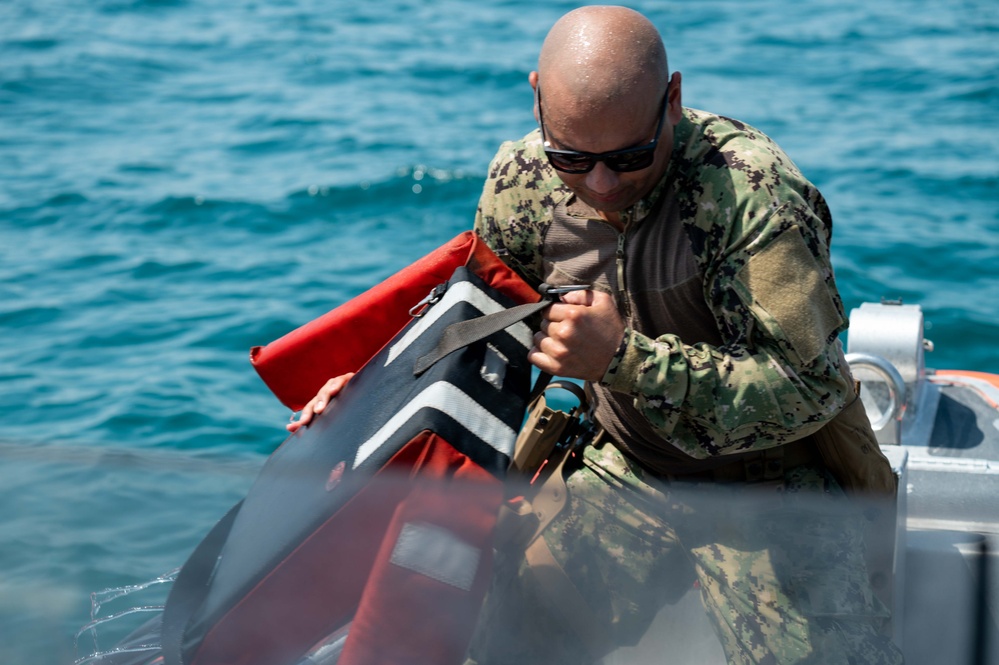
454, 402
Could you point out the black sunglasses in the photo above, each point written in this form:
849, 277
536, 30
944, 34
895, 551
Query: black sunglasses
622, 161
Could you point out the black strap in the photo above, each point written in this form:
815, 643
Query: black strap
462, 333
540, 386
191, 587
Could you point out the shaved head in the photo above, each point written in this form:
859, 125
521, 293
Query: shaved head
595, 57
603, 86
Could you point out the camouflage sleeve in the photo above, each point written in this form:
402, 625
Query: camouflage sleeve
779, 375
516, 205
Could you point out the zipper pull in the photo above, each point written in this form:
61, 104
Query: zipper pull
420, 308
553, 292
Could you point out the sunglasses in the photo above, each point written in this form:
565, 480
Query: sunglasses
622, 161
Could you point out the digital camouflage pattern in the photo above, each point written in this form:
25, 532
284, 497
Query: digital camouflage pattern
760, 234
779, 585
779, 569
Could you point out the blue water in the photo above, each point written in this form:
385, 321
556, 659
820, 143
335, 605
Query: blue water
182, 180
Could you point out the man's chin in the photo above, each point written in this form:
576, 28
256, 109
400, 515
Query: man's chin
606, 204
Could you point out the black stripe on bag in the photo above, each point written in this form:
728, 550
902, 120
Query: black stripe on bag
191, 587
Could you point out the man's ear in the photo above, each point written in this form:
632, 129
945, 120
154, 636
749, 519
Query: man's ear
675, 109
532, 78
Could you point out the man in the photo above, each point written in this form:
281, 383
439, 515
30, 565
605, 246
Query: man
708, 343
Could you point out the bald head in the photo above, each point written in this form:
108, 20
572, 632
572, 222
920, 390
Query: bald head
598, 56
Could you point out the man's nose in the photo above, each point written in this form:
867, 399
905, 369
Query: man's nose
601, 179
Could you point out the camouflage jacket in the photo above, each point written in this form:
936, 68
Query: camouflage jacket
760, 234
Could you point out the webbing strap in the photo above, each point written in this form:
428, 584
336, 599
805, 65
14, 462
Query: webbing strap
540, 385
462, 333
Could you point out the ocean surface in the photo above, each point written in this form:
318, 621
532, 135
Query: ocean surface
182, 180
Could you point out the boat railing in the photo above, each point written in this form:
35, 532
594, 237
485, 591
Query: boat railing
885, 351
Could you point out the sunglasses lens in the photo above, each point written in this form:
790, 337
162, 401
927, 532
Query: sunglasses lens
634, 161
570, 163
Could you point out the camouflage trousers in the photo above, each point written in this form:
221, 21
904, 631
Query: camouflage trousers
780, 567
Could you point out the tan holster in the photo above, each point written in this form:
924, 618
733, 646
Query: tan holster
546, 443
539, 458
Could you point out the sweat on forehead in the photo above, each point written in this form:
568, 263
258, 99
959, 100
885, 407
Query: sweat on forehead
598, 54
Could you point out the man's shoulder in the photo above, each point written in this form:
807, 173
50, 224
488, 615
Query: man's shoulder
717, 143
520, 170
518, 198
521, 189
731, 174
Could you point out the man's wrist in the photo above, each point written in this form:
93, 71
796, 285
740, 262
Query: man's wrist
623, 367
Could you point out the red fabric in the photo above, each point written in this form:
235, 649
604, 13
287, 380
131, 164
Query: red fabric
316, 588
297, 365
406, 617
491, 269
403, 616
342, 571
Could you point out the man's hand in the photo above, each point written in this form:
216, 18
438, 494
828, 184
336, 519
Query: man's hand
319, 402
579, 336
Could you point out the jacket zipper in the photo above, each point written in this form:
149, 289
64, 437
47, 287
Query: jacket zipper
622, 295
